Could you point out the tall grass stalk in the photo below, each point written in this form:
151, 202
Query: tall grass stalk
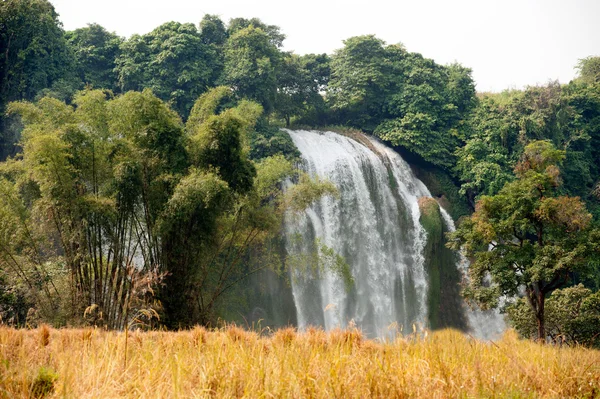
233, 362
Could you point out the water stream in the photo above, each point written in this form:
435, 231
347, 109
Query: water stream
374, 225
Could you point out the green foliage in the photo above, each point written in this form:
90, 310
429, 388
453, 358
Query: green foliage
249, 112
589, 70
262, 138
315, 110
583, 153
427, 112
151, 125
418, 133
172, 60
445, 189
251, 64
300, 82
86, 193
402, 97
196, 202
484, 164
35, 57
320, 260
213, 102
444, 302
43, 383
95, 51
358, 82
18, 285
35, 54
271, 171
431, 218
276, 38
503, 124
292, 88
14, 304
212, 31
267, 140
536, 237
307, 191
572, 317
218, 143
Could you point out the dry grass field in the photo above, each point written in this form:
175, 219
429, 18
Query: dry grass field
232, 362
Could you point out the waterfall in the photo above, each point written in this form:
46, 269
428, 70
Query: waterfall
488, 324
374, 224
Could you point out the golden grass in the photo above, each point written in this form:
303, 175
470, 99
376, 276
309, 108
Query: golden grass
233, 362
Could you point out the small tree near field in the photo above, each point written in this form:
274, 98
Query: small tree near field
528, 239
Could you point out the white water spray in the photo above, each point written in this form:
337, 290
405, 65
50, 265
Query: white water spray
488, 324
374, 225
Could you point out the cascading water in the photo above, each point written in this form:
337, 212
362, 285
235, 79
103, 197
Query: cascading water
487, 324
374, 224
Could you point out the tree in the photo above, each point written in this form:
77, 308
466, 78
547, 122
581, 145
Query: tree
359, 84
213, 102
589, 70
276, 38
572, 317
297, 88
218, 225
584, 102
401, 97
213, 31
501, 124
214, 34
34, 57
252, 62
113, 199
316, 111
219, 143
527, 237
485, 161
85, 196
34, 50
427, 109
461, 88
172, 60
267, 140
96, 51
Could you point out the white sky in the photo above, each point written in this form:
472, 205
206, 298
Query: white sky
507, 43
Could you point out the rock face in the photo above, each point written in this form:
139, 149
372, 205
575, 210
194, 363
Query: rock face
443, 299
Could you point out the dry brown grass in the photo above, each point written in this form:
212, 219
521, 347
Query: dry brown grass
232, 362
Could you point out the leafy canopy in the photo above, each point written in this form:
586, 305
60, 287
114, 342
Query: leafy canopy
528, 236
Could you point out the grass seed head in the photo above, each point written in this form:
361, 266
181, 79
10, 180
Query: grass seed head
316, 337
285, 336
44, 332
238, 334
352, 337
86, 334
199, 336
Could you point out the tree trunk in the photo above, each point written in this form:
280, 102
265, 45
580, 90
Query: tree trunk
539, 315
537, 298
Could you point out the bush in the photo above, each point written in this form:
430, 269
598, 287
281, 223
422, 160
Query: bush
572, 317
43, 384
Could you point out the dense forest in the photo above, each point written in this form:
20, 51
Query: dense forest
142, 177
